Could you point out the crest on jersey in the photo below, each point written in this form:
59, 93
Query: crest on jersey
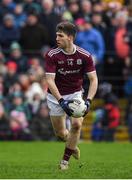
79, 61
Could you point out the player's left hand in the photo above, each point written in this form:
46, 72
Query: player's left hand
88, 104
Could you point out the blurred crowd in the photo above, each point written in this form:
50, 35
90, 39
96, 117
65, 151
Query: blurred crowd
28, 30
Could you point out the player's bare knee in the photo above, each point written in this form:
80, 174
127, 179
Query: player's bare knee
61, 134
76, 126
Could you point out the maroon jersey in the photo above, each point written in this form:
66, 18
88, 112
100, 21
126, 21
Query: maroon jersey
69, 69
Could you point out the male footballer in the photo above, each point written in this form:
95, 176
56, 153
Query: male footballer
65, 68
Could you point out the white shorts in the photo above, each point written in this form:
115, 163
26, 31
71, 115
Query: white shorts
53, 105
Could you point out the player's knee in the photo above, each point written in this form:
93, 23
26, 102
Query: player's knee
76, 126
61, 134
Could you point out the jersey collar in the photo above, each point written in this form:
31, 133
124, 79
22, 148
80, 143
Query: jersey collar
74, 46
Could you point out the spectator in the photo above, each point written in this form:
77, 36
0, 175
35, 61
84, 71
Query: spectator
30, 88
122, 48
36, 69
128, 95
16, 55
11, 75
105, 92
74, 10
18, 104
67, 16
97, 133
31, 6
48, 15
19, 16
98, 24
35, 104
5, 133
98, 8
8, 32
110, 58
112, 8
3, 69
1, 88
25, 83
34, 89
128, 86
129, 117
86, 8
80, 24
92, 40
129, 26
19, 126
15, 88
6, 7
1, 84
111, 115
41, 127
34, 36
60, 7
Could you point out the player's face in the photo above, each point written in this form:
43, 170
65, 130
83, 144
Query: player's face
62, 40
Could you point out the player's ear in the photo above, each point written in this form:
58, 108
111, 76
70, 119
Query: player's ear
70, 37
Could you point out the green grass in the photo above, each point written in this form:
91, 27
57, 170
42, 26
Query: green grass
39, 160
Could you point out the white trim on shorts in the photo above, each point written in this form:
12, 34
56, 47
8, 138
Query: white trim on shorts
53, 105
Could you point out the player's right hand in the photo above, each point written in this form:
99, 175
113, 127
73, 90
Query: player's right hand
64, 104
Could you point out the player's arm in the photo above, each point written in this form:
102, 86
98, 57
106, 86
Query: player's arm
50, 68
55, 92
90, 70
50, 78
92, 76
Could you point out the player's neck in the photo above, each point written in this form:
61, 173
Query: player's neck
70, 49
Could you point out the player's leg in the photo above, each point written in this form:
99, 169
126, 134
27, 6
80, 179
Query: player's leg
57, 117
59, 126
58, 121
72, 141
74, 134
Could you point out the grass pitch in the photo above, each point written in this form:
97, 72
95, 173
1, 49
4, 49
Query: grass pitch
39, 160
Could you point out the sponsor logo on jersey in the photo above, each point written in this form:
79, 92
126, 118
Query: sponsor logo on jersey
62, 71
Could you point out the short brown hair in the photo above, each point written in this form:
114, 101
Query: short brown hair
68, 28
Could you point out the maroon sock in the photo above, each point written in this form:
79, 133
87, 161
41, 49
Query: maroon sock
68, 152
